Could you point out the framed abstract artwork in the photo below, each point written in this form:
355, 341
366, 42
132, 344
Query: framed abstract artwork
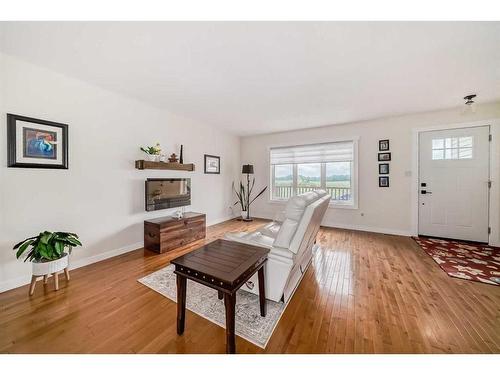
212, 164
35, 143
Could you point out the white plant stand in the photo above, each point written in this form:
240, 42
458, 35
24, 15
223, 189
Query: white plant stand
43, 270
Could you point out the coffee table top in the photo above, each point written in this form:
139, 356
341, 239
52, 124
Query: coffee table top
225, 260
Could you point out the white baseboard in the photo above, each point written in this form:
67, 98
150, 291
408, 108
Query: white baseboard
220, 220
364, 228
106, 255
367, 228
14, 283
26, 279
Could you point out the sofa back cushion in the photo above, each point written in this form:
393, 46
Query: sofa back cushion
309, 224
296, 205
294, 211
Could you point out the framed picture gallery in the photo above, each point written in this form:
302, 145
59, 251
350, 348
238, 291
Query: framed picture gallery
36, 143
383, 168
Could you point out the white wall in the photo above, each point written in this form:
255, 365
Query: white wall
101, 196
386, 210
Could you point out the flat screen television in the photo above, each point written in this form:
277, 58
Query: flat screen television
164, 193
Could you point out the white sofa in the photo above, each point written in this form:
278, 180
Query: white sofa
290, 243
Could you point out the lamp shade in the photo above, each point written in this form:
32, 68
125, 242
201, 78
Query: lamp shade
247, 169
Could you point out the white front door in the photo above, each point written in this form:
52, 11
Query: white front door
453, 183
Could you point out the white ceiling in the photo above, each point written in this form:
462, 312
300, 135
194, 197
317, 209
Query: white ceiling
263, 77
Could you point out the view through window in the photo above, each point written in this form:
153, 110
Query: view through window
324, 166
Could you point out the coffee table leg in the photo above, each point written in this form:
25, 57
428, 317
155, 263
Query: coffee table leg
220, 295
230, 304
262, 292
181, 303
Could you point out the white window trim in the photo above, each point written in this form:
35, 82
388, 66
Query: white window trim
333, 204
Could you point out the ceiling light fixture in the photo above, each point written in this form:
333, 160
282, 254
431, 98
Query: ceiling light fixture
469, 99
470, 104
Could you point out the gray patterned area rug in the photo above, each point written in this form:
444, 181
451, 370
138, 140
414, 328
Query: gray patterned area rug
203, 301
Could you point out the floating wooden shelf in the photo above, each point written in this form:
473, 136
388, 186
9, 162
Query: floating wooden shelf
144, 164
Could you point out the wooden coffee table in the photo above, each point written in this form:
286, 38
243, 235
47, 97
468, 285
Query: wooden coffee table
224, 266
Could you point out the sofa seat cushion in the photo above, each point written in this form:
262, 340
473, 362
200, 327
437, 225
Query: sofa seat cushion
251, 238
278, 252
270, 230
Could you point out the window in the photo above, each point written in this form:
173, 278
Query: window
452, 148
299, 169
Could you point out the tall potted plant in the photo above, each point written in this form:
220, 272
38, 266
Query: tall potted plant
244, 198
48, 252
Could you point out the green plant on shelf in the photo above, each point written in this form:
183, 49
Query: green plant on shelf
152, 150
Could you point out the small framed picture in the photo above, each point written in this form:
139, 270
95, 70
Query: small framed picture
212, 164
35, 143
384, 156
383, 168
383, 181
383, 145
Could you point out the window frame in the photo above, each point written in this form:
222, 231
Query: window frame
353, 204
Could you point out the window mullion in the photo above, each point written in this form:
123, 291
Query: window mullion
294, 189
273, 182
323, 176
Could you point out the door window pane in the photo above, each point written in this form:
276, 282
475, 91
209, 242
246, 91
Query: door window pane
437, 143
465, 153
283, 181
437, 154
451, 153
338, 180
465, 142
451, 142
452, 148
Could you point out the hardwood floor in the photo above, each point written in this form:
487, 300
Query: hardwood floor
364, 293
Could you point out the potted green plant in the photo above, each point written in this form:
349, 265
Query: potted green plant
48, 252
152, 152
244, 198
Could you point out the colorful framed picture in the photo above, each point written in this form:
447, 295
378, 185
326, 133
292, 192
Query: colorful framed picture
35, 143
384, 156
383, 181
212, 164
383, 168
383, 145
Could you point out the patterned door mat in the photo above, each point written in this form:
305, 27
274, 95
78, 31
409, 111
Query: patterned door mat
464, 260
